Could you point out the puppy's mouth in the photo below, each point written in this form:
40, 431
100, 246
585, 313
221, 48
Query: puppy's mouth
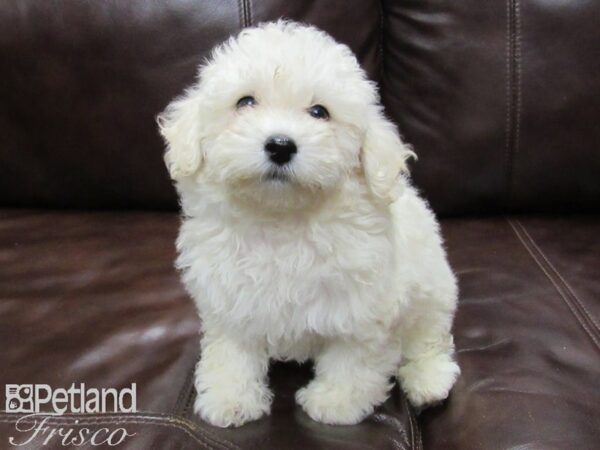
276, 175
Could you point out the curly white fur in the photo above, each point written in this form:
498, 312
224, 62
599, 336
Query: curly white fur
341, 262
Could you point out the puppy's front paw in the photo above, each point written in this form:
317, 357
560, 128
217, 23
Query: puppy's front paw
334, 404
232, 402
428, 380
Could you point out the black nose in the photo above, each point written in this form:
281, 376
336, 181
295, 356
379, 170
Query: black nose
280, 149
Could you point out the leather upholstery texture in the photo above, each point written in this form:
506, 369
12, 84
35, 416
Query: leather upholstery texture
527, 335
84, 80
499, 98
94, 298
499, 101
494, 96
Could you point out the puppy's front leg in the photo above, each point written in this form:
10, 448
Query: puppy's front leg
428, 370
351, 378
231, 380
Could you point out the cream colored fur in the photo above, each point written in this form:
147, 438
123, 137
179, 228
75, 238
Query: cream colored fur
342, 263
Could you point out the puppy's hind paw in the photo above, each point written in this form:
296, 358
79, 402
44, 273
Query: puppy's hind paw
428, 380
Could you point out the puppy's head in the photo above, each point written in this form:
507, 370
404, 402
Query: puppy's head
282, 115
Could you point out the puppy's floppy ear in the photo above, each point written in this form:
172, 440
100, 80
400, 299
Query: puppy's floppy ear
383, 157
180, 124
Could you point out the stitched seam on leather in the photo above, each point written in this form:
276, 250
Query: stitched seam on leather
134, 418
381, 37
517, 100
136, 422
220, 440
184, 394
241, 13
190, 398
418, 438
415, 435
244, 15
410, 423
556, 285
567, 286
243, 9
513, 93
564, 288
188, 404
507, 91
249, 12
190, 394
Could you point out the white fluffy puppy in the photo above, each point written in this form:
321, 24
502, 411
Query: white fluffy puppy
301, 236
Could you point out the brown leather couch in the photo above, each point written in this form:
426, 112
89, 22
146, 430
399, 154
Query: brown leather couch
500, 99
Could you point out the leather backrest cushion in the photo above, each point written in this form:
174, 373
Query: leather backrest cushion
82, 82
499, 99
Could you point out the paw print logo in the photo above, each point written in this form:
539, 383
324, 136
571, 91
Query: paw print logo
19, 398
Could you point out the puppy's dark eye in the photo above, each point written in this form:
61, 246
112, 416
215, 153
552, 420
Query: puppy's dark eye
248, 100
318, 112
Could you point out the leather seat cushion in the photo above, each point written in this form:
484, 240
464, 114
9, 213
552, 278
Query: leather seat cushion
94, 298
527, 336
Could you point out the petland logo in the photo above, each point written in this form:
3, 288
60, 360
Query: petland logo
33, 400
